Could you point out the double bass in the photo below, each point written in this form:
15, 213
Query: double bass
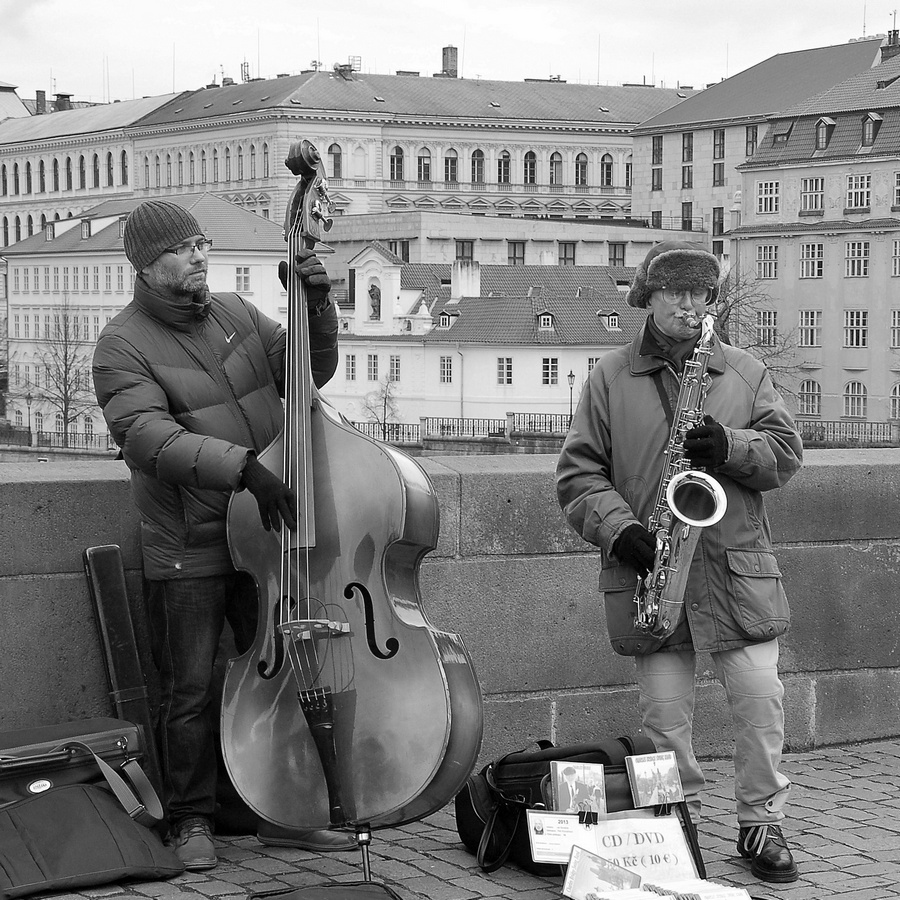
349, 711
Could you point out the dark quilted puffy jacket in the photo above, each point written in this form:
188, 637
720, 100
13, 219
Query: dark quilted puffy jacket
187, 391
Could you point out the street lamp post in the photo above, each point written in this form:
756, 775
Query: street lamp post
571, 378
28, 399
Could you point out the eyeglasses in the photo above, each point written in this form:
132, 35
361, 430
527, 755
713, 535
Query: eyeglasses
695, 295
202, 245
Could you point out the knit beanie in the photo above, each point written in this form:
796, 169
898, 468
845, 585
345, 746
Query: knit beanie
154, 226
679, 265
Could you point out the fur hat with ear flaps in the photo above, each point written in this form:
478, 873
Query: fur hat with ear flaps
679, 265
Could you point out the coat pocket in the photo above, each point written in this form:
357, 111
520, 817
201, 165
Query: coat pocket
618, 584
761, 606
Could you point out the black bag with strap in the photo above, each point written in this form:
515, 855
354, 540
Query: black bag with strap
490, 809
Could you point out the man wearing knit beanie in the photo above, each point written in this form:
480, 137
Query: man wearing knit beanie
190, 383
611, 476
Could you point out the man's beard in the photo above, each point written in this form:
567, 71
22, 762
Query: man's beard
185, 285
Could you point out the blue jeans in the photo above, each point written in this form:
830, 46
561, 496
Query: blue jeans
187, 617
754, 692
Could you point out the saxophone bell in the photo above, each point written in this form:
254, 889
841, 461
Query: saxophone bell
696, 498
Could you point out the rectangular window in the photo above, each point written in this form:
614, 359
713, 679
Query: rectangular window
656, 179
687, 177
812, 260
394, 368
657, 150
616, 254
465, 250
550, 370
767, 196
66, 279
718, 249
120, 278
687, 147
656, 218
372, 367
751, 138
856, 263
242, 278
810, 399
859, 189
895, 260
107, 278
515, 253
766, 327
56, 278
504, 370
96, 278
719, 143
896, 202
718, 174
350, 367
446, 370
24, 279
810, 331
856, 328
450, 169
718, 220
812, 194
687, 216
46, 278
566, 253
767, 261
895, 329
400, 248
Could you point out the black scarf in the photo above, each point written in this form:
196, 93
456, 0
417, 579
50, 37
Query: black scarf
656, 343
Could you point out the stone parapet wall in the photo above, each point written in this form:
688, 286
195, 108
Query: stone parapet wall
517, 584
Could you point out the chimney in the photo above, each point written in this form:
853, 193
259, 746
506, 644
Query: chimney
891, 47
63, 101
40, 103
465, 279
448, 62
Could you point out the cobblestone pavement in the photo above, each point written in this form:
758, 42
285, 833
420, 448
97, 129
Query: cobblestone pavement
843, 825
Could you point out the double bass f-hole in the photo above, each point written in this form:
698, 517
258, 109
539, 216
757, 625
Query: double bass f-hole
392, 645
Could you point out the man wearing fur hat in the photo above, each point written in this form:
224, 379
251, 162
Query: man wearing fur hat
190, 384
734, 604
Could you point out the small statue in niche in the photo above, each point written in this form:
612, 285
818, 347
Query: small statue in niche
374, 302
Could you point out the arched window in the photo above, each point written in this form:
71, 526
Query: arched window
606, 170
202, 167
191, 167
123, 167
88, 425
180, 169
82, 173
451, 160
397, 164
335, 161
228, 164
5, 232
68, 173
146, 171
477, 167
38, 421
809, 398
215, 171
158, 172
628, 172
28, 178
503, 167
3, 187
18, 227
855, 400
110, 179
423, 164
55, 174
265, 161
60, 423
168, 170
555, 168
253, 160
581, 170
29, 226
530, 174
42, 177
240, 163
15, 178
895, 402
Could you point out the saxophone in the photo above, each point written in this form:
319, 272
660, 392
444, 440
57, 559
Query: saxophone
687, 501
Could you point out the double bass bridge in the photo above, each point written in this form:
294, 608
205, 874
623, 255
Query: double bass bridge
313, 629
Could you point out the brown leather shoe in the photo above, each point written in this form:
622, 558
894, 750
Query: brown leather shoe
770, 856
318, 841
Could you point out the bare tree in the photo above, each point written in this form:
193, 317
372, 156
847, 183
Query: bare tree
741, 320
62, 364
380, 406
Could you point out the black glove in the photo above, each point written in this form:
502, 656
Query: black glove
636, 547
309, 267
275, 499
706, 446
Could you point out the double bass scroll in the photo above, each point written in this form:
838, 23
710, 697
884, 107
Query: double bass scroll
350, 709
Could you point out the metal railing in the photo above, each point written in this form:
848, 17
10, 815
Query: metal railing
541, 422
857, 432
392, 432
74, 440
446, 427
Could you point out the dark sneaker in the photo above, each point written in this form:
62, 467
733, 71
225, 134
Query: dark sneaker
319, 841
192, 841
768, 852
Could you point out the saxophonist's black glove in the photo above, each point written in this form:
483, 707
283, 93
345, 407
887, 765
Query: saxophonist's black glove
706, 446
637, 547
309, 267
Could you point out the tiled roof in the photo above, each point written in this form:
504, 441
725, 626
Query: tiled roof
513, 298
229, 226
818, 226
79, 121
392, 96
769, 86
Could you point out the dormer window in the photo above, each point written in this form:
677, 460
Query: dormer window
871, 124
444, 321
545, 322
781, 137
49, 231
122, 227
824, 129
85, 229
612, 322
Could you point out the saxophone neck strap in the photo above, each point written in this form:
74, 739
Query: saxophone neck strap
664, 397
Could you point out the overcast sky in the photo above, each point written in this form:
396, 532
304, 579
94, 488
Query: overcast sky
103, 50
